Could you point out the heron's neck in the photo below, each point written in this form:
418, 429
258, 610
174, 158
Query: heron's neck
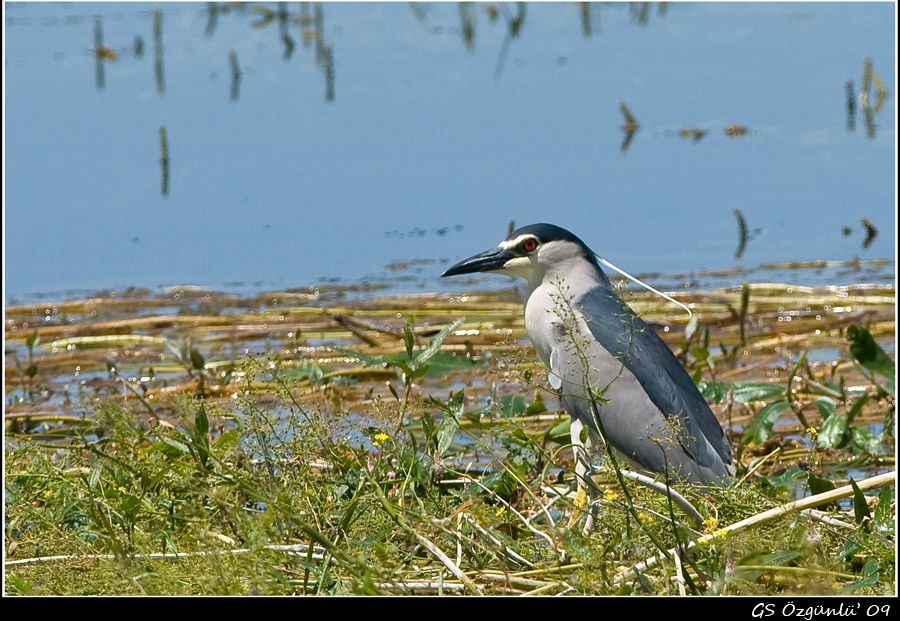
576, 275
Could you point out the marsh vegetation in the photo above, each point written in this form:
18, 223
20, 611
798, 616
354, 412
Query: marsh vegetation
339, 440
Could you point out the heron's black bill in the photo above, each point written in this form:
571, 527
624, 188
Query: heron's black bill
488, 261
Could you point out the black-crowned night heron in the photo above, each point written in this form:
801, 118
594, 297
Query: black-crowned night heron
604, 360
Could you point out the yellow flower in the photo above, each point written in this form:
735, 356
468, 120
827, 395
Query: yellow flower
722, 533
610, 495
379, 438
647, 517
499, 511
710, 523
812, 432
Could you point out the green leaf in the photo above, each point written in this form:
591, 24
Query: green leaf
19, 585
870, 355
857, 408
869, 578
761, 427
170, 442
456, 404
95, 476
409, 339
787, 480
832, 432
428, 427
201, 421
777, 557
818, 485
417, 372
200, 437
559, 433
446, 432
32, 340
184, 352
436, 341
444, 362
850, 547
197, 361
308, 371
536, 407
226, 442
129, 505
701, 354
369, 361
744, 392
512, 406
826, 406
884, 513
499, 482
860, 506
866, 441
393, 392
643, 581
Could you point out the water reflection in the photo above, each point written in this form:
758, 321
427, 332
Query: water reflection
98, 45
411, 73
310, 18
283, 31
212, 18
871, 81
513, 27
164, 159
235, 75
871, 232
467, 15
851, 105
640, 11
158, 52
586, 26
735, 131
692, 132
630, 126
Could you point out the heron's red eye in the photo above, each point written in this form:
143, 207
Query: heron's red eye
529, 245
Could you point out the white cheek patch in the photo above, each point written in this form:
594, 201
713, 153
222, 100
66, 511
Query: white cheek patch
517, 263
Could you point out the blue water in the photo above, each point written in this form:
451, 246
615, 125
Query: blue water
427, 149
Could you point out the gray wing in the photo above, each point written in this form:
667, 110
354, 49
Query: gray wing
625, 335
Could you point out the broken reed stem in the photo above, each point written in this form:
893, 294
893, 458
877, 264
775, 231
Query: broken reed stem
665, 490
767, 516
